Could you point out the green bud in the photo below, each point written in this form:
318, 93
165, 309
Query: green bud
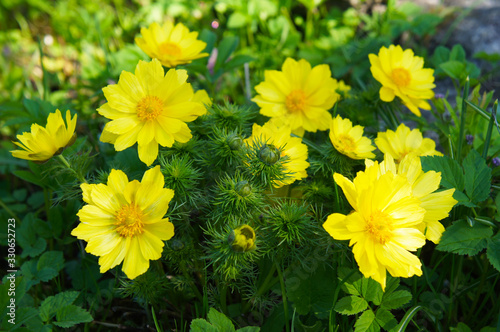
235, 142
176, 244
269, 154
243, 188
242, 239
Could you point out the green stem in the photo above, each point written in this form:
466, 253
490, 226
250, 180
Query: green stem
283, 295
9, 211
45, 77
490, 129
158, 328
263, 288
193, 286
223, 298
78, 175
462, 120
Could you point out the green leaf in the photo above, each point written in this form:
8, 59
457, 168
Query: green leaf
220, 321
236, 61
477, 177
452, 175
249, 329
201, 325
51, 304
462, 239
396, 299
457, 53
71, 315
352, 285
371, 290
461, 327
28, 177
493, 251
236, 20
226, 48
454, 69
366, 322
385, 319
351, 305
311, 292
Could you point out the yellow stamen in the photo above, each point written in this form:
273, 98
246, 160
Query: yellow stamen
149, 108
129, 221
379, 225
347, 143
296, 101
401, 77
170, 49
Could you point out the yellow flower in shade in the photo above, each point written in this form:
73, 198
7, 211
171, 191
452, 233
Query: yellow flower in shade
171, 44
405, 141
41, 143
403, 75
150, 108
349, 140
298, 96
382, 227
275, 139
437, 205
242, 239
123, 221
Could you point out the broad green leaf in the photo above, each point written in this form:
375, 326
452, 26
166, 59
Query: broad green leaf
462, 239
353, 284
249, 329
226, 47
461, 327
371, 290
457, 53
396, 299
237, 60
366, 322
493, 251
28, 177
71, 315
51, 304
237, 20
220, 321
311, 292
452, 175
454, 69
351, 305
477, 177
385, 319
201, 325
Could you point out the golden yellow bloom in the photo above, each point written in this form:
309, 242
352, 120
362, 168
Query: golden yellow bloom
172, 45
298, 96
41, 143
403, 75
405, 141
123, 221
349, 140
437, 205
242, 239
277, 138
382, 227
150, 108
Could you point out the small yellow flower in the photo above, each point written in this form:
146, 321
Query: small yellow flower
298, 96
405, 141
382, 228
242, 239
437, 205
172, 45
41, 143
123, 221
276, 139
403, 75
150, 108
349, 140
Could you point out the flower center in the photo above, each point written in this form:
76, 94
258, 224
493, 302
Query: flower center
149, 108
128, 221
347, 143
401, 77
170, 49
379, 225
295, 101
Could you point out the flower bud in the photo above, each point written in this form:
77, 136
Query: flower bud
269, 154
235, 142
176, 244
243, 188
242, 239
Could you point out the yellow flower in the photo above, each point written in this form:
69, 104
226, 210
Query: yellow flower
437, 205
123, 221
298, 96
382, 227
402, 142
276, 139
402, 74
41, 143
349, 140
150, 108
242, 239
172, 45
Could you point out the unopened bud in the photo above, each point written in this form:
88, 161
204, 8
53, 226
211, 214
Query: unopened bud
242, 239
176, 244
269, 154
243, 188
235, 142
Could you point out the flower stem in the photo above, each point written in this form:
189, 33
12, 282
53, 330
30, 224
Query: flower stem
158, 328
462, 120
283, 295
78, 175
